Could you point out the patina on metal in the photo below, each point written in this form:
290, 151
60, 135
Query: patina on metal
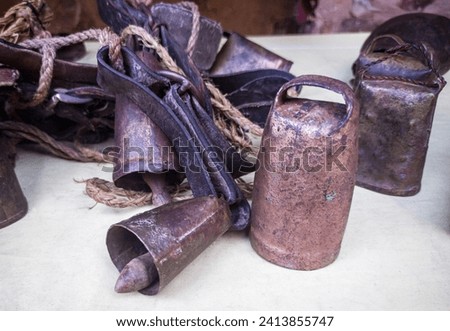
145, 158
304, 184
429, 29
13, 204
152, 248
398, 90
118, 14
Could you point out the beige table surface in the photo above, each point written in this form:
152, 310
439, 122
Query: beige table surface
395, 254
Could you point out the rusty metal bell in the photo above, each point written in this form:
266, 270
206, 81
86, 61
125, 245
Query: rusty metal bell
13, 205
144, 156
305, 178
241, 54
160, 243
432, 29
397, 89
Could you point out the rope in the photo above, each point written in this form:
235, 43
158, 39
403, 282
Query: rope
105, 192
58, 42
195, 25
108, 38
21, 23
78, 153
45, 77
224, 105
28, 19
48, 48
136, 3
195, 20
150, 42
225, 111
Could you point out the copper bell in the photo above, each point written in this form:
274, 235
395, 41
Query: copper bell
304, 184
397, 87
13, 205
153, 247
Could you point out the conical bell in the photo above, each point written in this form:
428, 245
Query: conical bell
13, 205
151, 248
240, 54
145, 158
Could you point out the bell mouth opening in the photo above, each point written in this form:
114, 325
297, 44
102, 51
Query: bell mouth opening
8, 220
123, 246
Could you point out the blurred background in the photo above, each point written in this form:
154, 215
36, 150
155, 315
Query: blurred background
262, 17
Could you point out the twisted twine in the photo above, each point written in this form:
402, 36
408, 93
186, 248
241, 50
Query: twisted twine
18, 130
28, 19
106, 193
48, 47
195, 25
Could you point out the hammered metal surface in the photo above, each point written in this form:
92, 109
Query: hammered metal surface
304, 183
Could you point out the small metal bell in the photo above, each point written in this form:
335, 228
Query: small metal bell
13, 205
144, 156
151, 248
397, 89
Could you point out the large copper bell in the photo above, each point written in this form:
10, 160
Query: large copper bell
304, 184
